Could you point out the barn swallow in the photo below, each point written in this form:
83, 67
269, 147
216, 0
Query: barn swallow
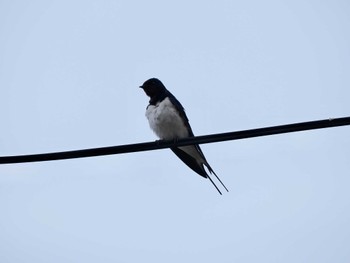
168, 120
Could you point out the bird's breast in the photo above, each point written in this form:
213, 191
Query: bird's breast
165, 121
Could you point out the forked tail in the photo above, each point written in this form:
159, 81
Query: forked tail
214, 184
217, 177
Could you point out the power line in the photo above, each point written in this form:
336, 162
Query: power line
149, 146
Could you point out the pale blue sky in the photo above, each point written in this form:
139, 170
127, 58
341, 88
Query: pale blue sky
69, 77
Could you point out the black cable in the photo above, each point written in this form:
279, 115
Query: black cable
148, 146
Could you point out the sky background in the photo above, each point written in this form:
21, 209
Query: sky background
69, 77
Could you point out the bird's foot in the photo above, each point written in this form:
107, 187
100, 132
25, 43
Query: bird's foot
158, 142
175, 141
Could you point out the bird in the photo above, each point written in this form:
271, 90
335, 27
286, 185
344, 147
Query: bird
168, 120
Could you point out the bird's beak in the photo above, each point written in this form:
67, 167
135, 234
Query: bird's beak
141, 87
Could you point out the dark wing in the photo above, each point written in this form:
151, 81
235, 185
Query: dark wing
186, 158
181, 111
198, 168
190, 161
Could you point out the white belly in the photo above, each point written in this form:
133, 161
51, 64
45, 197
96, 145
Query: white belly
165, 121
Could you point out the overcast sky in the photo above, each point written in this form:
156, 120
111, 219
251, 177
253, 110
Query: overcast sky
69, 77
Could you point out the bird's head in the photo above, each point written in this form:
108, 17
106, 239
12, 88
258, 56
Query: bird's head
153, 88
